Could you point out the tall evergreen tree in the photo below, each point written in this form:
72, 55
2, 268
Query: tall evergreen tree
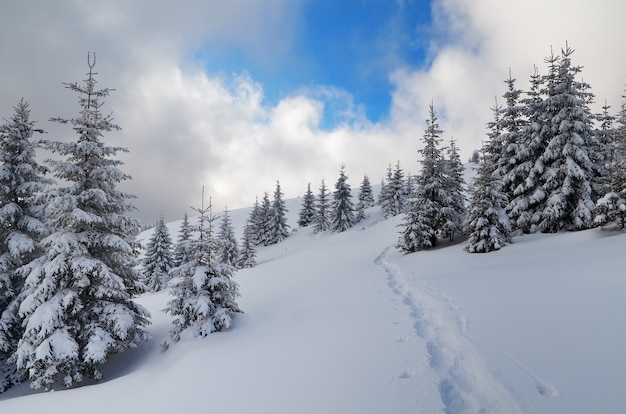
78, 308
278, 219
569, 171
366, 194
322, 210
228, 249
254, 223
386, 194
365, 199
521, 183
205, 292
307, 213
158, 260
425, 219
181, 249
342, 208
263, 222
247, 255
611, 206
453, 211
511, 123
487, 224
21, 227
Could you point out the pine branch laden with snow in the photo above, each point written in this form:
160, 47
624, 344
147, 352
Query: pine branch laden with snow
77, 307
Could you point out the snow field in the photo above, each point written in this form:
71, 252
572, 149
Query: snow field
342, 323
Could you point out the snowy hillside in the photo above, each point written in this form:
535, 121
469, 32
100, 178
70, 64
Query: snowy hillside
344, 323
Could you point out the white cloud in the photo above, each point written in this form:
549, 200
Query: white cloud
186, 129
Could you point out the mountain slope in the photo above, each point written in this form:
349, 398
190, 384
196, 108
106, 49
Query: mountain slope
342, 323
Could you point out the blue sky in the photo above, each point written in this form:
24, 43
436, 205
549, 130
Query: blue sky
234, 95
352, 45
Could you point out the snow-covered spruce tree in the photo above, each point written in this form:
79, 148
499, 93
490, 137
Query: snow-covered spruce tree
569, 171
204, 294
181, 249
247, 254
385, 198
342, 208
424, 218
227, 242
611, 206
366, 194
307, 212
263, 222
322, 210
254, 222
159, 259
365, 199
397, 189
521, 183
453, 211
487, 224
512, 145
78, 308
417, 233
279, 229
21, 227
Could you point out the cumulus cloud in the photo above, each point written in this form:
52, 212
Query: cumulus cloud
186, 128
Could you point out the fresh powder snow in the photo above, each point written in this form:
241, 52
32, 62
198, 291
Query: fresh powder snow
345, 323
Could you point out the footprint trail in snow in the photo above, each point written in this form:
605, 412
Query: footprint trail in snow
465, 383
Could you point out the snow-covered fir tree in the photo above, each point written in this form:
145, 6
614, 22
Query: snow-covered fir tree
424, 218
181, 249
228, 251
343, 207
307, 212
453, 211
77, 308
263, 221
487, 224
611, 206
366, 194
385, 198
394, 197
365, 199
204, 294
21, 226
158, 259
512, 146
247, 254
322, 210
417, 233
279, 229
254, 222
568, 170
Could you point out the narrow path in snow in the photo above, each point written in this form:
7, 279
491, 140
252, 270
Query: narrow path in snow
465, 384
